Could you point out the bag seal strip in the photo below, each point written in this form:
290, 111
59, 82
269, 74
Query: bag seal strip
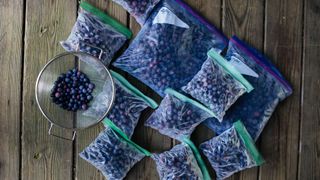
106, 19
186, 99
216, 57
134, 90
248, 142
263, 62
118, 131
203, 21
199, 159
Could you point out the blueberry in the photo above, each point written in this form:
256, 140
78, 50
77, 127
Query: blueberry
84, 107
91, 86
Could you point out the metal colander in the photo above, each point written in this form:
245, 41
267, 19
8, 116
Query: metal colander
96, 72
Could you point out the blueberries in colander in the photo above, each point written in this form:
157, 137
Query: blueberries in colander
70, 89
178, 163
113, 156
231, 151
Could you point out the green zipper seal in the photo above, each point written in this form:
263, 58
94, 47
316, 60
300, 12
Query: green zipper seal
134, 90
118, 131
248, 142
216, 57
191, 101
106, 19
199, 159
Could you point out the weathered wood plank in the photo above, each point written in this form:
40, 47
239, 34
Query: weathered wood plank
83, 169
43, 156
244, 18
283, 43
11, 43
310, 134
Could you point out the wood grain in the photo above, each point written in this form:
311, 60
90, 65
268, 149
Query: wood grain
43, 156
245, 18
283, 44
310, 121
84, 170
11, 34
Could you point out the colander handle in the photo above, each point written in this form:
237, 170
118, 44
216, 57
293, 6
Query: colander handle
101, 50
55, 135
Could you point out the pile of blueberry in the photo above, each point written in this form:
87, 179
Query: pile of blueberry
72, 91
91, 35
126, 109
176, 118
111, 155
214, 88
165, 55
227, 154
178, 163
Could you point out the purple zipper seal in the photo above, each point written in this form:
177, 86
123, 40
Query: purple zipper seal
261, 62
203, 21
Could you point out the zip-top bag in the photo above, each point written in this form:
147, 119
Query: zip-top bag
217, 85
171, 47
127, 107
96, 33
232, 151
139, 9
180, 163
178, 115
270, 88
113, 153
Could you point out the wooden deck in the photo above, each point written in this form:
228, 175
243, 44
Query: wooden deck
286, 30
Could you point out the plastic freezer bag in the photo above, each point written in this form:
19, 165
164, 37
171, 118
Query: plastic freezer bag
127, 106
217, 85
178, 163
231, 151
96, 33
139, 9
170, 48
181, 162
270, 88
178, 115
112, 155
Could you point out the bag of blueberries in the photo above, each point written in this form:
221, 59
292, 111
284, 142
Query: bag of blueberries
127, 106
178, 115
139, 9
231, 151
181, 162
113, 153
171, 47
255, 108
217, 85
96, 33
